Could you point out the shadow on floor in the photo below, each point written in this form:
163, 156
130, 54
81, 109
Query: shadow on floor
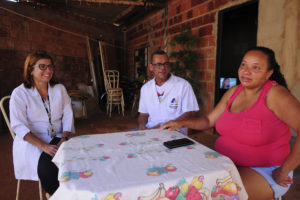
100, 123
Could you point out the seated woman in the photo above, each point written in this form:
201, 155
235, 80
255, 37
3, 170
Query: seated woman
42, 118
254, 121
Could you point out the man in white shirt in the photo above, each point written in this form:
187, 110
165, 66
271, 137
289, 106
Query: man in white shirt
166, 97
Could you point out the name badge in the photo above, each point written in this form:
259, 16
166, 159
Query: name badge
51, 131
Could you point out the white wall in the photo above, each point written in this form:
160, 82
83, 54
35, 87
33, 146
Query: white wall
279, 29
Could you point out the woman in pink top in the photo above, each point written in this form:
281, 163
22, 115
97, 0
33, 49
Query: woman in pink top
254, 121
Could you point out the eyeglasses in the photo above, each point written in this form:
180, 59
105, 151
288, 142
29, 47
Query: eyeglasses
43, 67
166, 64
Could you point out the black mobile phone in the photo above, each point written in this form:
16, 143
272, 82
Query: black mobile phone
178, 143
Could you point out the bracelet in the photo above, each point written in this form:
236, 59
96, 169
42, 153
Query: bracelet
65, 138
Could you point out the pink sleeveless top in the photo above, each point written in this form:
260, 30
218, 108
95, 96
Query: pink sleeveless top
255, 137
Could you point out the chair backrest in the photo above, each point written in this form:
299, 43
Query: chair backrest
111, 79
5, 115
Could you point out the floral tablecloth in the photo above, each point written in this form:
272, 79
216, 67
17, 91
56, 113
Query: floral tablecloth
137, 166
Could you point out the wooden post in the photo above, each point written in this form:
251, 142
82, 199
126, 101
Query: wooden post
92, 70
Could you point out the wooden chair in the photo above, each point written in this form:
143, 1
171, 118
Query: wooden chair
114, 92
13, 136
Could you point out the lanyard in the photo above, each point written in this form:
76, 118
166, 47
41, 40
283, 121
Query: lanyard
46, 104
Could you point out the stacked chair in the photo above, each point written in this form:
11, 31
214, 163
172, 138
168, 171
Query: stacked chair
114, 92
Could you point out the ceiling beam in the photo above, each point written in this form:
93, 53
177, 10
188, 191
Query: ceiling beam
125, 12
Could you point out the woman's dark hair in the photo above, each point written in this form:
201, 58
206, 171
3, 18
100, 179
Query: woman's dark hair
30, 61
272, 64
158, 52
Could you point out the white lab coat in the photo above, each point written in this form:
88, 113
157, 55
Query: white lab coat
28, 114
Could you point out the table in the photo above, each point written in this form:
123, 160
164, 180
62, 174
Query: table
136, 166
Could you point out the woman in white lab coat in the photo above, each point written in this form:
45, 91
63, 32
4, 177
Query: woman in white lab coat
41, 117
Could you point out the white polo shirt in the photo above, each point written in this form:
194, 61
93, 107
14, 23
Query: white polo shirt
178, 98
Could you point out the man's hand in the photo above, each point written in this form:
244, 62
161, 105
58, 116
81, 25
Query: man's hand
281, 178
155, 127
142, 127
171, 125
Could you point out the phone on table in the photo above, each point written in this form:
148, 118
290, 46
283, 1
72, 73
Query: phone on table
178, 143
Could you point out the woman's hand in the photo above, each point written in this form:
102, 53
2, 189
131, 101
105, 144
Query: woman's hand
50, 149
282, 178
171, 125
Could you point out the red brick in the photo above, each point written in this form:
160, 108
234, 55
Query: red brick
211, 64
2, 12
206, 53
22, 45
201, 64
210, 87
203, 42
207, 76
209, 18
3, 31
189, 14
210, 6
197, 2
203, 85
199, 21
3, 44
6, 21
175, 19
171, 22
178, 9
10, 43
193, 23
185, 5
219, 3
179, 18
207, 30
212, 41
201, 75
171, 12
202, 9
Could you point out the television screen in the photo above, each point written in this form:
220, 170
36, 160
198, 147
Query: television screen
226, 83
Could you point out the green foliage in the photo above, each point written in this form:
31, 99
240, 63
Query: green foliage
185, 59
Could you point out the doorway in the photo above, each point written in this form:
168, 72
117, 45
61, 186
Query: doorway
237, 31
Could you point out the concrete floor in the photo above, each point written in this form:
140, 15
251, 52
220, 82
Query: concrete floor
99, 123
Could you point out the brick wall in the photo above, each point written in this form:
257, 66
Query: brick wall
62, 35
201, 16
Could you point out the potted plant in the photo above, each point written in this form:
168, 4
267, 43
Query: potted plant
184, 59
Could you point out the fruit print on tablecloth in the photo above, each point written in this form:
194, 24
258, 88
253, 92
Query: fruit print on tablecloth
131, 155
157, 171
212, 154
136, 134
74, 175
225, 188
181, 191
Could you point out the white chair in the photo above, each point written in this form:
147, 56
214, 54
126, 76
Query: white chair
13, 136
114, 93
